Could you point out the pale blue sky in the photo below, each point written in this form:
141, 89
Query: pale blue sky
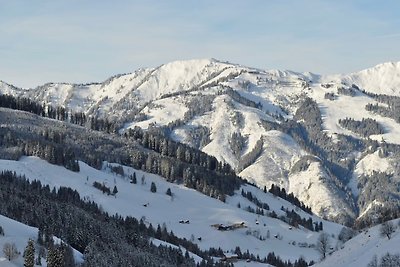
85, 40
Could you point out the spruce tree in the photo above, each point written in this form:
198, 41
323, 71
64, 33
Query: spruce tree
169, 193
133, 178
55, 257
115, 190
153, 187
29, 254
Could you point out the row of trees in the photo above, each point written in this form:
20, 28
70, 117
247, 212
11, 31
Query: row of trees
58, 113
241, 99
391, 107
365, 127
272, 259
281, 192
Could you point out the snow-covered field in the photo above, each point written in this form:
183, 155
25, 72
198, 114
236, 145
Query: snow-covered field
186, 204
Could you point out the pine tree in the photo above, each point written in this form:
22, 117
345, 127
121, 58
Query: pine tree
29, 254
169, 193
55, 257
115, 190
153, 187
133, 178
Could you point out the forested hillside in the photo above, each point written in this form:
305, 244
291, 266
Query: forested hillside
330, 144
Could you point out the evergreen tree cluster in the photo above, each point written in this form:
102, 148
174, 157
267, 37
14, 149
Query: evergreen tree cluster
330, 96
58, 113
103, 188
48, 146
116, 169
255, 200
198, 106
181, 163
291, 217
241, 99
237, 143
365, 127
24, 104
390, 109
198, 136
271, 259
351, 91
277, 191
294, 219
249, 158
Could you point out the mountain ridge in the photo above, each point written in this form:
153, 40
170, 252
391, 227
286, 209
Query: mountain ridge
227, 110
384, 65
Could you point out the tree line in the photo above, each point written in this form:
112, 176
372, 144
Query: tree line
57, 113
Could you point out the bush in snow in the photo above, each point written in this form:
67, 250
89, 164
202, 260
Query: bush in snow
323, 244
169, 193
10, 251
153, 187
346, 234
387, 229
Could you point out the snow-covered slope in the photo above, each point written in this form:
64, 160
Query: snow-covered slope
360, 250
221, 99
201, 211
120, 94
18, 234
381, 79
280, 153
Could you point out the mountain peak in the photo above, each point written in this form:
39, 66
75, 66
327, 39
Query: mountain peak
383, 78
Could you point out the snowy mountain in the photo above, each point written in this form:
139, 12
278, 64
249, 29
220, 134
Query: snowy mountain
331, 142
381, 79
222, 109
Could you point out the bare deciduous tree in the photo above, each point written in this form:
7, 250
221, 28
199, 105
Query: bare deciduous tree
387, 229
10, 251
323, 244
